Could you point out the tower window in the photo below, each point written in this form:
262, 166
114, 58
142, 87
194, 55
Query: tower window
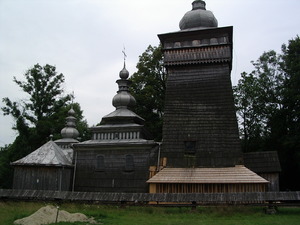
190, 154
190, 147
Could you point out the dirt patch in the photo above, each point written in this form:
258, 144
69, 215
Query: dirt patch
48, 215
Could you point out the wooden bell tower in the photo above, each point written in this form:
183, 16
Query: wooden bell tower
200, 125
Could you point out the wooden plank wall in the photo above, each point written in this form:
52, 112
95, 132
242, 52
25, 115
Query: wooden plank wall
206, 188
114, 177
273, 178
42, 178
215, 198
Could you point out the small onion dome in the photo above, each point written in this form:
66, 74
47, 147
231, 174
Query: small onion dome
70, 131
124, 74
123, 100
198, 17
71, 112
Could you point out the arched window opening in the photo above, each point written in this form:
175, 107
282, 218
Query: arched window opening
100, 163
129, 163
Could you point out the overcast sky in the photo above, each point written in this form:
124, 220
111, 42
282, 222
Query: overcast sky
84, 39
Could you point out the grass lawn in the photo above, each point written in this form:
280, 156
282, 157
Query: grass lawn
132, 215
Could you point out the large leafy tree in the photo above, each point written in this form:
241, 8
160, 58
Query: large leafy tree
148, 88
44, 88
291, 67
258, 96
268, 105
290, 115
38, 116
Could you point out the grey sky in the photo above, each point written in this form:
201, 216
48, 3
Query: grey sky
84, 39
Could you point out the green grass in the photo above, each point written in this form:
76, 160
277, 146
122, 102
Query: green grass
131, 215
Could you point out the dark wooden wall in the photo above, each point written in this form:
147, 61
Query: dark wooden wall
273, 178
265, 164
42, 178
200, 126
114, 175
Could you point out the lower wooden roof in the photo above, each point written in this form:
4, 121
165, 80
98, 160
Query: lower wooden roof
49, 154
230, 175
262, 162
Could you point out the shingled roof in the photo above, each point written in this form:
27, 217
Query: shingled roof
262, 162
229, 175
50, 154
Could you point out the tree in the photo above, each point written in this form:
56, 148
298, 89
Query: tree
148, 87
268, 106
258, 96
245, 94
44, 87
291, 56
290, 152
6, 173
39, 116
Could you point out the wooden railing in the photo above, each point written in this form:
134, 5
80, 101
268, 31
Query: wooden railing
189, 198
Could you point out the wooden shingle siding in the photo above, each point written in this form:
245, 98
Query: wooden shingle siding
262, 162
199, 105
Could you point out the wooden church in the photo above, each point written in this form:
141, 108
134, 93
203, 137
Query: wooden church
200, 151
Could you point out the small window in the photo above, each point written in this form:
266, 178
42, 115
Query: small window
100, 163
190, 147
129, 163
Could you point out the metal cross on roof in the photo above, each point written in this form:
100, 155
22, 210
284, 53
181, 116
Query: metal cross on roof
72, 97
124, 53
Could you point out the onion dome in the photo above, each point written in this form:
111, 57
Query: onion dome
198, 17
124, 74
123, 99
70, 131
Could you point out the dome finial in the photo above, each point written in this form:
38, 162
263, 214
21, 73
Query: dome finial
198, 17
199, 4
123, 98
124, 74
124, 53
70, 131
72, 97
